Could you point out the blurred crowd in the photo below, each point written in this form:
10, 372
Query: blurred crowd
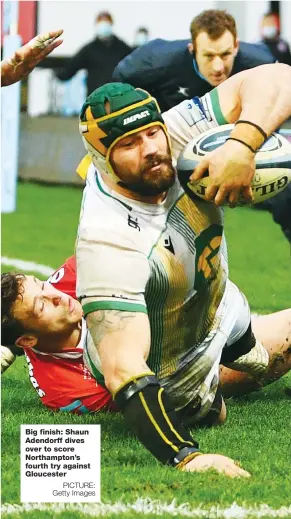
98, 59
212, 53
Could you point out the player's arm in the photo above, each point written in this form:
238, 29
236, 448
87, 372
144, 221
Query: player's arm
261, 97
73, 65
23, 61
142, 68
122, 339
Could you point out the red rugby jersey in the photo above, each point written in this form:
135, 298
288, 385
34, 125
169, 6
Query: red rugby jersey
61, 380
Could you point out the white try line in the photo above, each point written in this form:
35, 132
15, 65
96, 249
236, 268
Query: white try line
146, 506
27, 266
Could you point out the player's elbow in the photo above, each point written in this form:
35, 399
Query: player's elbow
119, 371
114, 377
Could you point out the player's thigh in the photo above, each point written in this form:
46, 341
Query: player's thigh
274, 332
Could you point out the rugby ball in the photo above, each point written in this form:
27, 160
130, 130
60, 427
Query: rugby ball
273, 163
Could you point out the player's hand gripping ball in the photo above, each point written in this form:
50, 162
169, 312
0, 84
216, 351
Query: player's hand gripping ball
273, 164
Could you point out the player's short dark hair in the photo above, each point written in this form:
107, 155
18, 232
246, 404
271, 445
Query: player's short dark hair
214, 22
142, 29
104, 14
11, 289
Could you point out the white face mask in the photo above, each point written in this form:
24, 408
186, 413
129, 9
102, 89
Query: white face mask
270, 31
103, 29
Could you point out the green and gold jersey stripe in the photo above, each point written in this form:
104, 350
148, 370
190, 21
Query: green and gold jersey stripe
94, 306
156, 294
216, 107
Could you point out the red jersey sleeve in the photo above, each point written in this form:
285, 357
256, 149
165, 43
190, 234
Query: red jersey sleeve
66, 385
64, 279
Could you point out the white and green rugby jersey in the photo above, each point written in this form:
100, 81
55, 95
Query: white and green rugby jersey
168, 260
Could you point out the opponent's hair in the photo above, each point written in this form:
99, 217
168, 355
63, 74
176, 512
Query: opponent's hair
11, 289
214, 22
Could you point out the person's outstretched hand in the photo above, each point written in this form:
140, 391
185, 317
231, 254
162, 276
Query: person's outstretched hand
24, 60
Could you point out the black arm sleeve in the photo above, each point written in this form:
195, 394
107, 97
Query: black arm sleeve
74, 64
148, 411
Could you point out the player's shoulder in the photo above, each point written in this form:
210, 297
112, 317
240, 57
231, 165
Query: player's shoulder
108, 219
102, 207
163, 53
119, 223
251, 55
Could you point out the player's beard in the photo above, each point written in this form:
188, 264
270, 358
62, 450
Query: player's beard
151, 183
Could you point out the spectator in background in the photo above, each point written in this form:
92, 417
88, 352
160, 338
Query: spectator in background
270, 33
181, 69
99, 57
141, 37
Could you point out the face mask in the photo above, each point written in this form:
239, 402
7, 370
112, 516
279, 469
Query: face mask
269, 31
103, 29
140, 39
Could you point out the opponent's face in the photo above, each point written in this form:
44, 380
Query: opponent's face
44, 310
143, 161
215, 57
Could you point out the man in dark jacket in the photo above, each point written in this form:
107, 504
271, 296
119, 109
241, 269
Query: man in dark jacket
176, 70
99, 57
270, 31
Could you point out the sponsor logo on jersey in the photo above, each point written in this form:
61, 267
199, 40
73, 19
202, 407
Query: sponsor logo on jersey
133, 222
207, 259
57, 276
132, 118
169, 245
33, 380
183, 90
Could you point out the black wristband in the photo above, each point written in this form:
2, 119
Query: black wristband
152, 417
255, 126
242, 142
